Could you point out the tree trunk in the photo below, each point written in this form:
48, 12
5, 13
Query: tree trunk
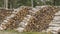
32, 3
6, 4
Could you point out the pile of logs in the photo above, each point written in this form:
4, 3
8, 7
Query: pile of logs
12, 22
40, 19
4, 13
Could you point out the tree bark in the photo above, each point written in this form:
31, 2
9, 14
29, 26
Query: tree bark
6, 4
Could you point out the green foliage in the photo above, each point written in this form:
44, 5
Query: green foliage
49, 3
22, 3
18, 3
57, 2
1, 3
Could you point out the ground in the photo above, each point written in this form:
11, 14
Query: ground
15, 32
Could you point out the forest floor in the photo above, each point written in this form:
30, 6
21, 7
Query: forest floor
15, 32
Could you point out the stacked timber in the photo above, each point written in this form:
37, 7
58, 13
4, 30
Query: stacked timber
14, 19
41, 19
4, 13
30, 20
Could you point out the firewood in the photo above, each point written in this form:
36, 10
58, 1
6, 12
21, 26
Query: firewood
43, 18
14, 21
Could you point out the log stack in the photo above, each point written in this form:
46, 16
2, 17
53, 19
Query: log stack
41, 19
4, 13
18, 16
